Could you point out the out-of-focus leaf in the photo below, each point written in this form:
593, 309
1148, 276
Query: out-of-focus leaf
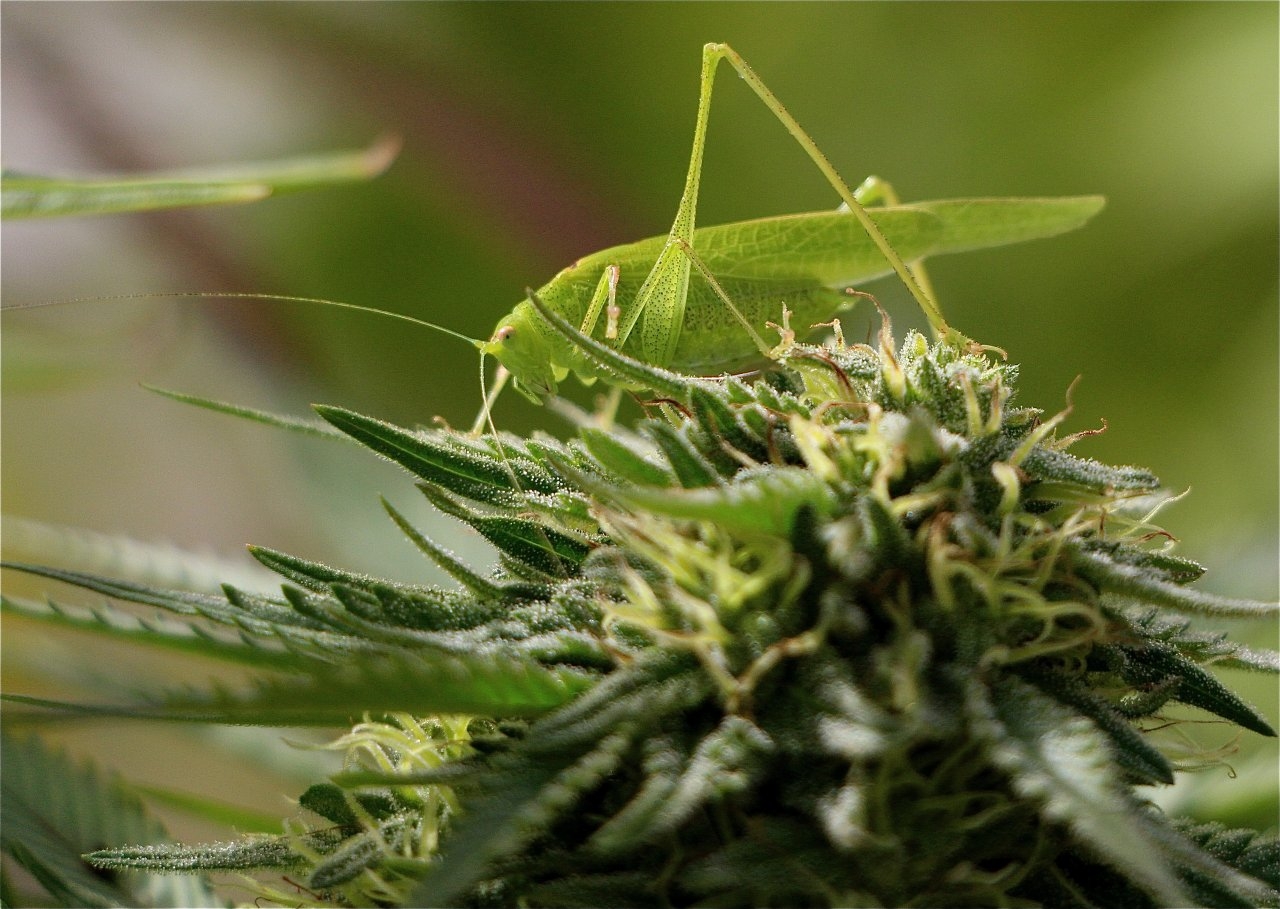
55, 811
35, 196
489, 684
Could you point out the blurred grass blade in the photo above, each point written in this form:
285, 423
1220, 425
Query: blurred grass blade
33, 196
50, 197
140, 561
237, 818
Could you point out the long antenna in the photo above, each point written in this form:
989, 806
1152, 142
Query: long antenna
282, 298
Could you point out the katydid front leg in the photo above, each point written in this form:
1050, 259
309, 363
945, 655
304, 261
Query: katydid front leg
661, 298
874, 191
606, 292
922, 296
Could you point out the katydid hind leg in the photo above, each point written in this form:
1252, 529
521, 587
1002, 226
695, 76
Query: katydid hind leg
662, 297
659, 305
714, 52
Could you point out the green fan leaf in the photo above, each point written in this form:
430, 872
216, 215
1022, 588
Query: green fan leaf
1128, 580
1064, 762
724, 762
690, 466
1212, 877
488, 684
239, 855
265, 417
54, 812
540, 547
518, 802
407, 606
765, 502
1046, 465
722, 425
169, 634
216, 811
1167, 566
448, 562
254, 613
445, 461
1196, 645
1248, 851
621, 458
352, 857
314, 576
1134, 753
1155, 662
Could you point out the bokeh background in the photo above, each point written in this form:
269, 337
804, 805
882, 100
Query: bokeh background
534, 133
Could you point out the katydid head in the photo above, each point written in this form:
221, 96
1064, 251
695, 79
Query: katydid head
520, 344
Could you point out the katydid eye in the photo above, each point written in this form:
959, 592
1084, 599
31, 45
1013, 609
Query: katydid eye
504, 333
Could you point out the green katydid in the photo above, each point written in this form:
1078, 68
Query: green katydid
748, 270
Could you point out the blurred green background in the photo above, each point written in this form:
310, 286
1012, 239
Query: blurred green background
535, 133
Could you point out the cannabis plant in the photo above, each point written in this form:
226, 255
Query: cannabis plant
861, 632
